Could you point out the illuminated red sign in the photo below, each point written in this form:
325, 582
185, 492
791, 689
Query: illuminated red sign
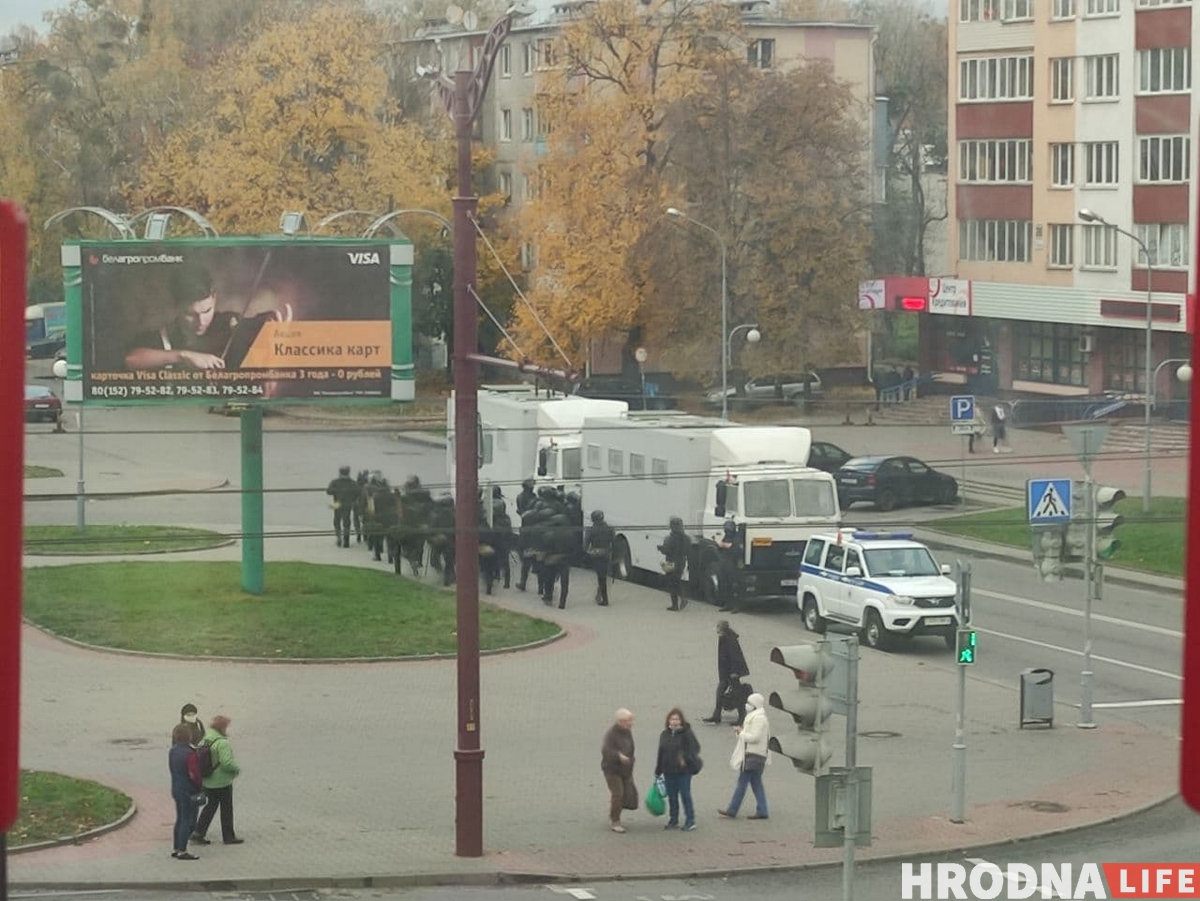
913, 304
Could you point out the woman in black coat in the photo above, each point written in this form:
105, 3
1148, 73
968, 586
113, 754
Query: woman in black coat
678, 761
182, 790
731, 669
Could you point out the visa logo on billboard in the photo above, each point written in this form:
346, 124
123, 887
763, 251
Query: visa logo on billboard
363, 258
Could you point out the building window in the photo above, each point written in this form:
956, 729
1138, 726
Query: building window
1152, 3
593, 456
1168, 243
1101, 163
542, 125
977, 10
1103, 8
1099, 247
1017, 10
616, 462
528, 54
1049, 352
658, 470
1125, 361
1062, 80
506, 186
1164, 159
1164, 70
505, 61
994, 240
505, 125
637, 465
1063, 9
527, 124
530, 187
995, 161
1062, 165
761, 53
996, 78
1102, 77
1062, 246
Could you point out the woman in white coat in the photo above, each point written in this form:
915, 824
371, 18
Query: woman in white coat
749, 758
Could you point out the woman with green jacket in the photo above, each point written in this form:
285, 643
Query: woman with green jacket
219, 784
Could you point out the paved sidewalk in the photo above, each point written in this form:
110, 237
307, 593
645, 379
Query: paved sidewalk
108, 486
348, 770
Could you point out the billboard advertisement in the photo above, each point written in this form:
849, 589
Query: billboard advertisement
237, 320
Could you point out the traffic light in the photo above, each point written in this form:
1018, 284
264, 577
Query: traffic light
965, 644
1048, 553
1107, 521
808, 705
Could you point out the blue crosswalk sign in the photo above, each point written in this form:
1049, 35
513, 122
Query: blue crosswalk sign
1049, 501
962, 408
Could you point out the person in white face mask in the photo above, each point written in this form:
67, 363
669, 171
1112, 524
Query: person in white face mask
749, 759
190, 717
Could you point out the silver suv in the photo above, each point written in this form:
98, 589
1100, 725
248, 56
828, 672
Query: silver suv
883, 583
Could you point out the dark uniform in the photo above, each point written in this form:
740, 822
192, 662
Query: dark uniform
344, 491
731, 669
732, 555
387, 518
599, 552
359, 508
373, 506
560, 546
502, 534
441, 525
417, 505
575, 515
526, 501
675, 552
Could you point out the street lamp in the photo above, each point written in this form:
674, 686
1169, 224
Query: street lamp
1183, 373
1088, 216
679, 214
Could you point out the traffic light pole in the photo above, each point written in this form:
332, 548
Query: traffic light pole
1089, 583
958, 803
851, 835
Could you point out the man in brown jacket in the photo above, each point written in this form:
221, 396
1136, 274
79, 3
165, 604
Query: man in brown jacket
616, 762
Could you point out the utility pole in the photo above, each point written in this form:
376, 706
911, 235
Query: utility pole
851, 835
958, 805
1089, 588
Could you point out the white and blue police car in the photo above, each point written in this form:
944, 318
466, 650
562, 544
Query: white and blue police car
884, 584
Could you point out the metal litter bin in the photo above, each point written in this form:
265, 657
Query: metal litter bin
1037, 697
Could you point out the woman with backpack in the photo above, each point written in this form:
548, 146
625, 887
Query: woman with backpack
219, 784
183, 791
678, 761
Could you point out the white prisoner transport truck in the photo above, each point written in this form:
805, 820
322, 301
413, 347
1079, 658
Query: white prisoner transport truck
529, 434
641, 469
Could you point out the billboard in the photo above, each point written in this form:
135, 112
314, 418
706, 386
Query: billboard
213, 320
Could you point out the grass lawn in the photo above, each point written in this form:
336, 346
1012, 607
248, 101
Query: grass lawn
65, 540
307, 611
54, 806
42, 472
1152, 543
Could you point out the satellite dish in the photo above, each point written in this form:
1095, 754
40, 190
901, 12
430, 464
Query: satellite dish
454, 14
470, 20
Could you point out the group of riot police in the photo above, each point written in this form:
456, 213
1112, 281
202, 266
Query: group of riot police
400, 523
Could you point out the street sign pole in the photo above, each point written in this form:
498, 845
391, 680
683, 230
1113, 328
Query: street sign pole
958, 803
851, 835
1089, 588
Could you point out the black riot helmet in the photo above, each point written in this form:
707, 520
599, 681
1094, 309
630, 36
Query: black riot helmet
573, 499
597, 516
446, 500
412, 483
343, 470
730, 528
547, 493
528, 484
676, 524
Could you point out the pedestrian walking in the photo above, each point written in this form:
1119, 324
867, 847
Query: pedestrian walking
344, 491
190, 717
731, 669
616, 763
999, 430
678, 761
750, 756
599, 552
526, 501
183, 792
219, 785
562, 543
675, 550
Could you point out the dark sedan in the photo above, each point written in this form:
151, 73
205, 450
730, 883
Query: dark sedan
890, 482
827, 457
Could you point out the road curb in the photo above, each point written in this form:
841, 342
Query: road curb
497, 877
82, 837
228, 542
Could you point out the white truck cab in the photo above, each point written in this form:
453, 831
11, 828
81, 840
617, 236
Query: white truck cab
883, 583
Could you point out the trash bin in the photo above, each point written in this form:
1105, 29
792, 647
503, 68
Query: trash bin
1037, 697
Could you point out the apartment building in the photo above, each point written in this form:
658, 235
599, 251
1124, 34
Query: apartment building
1057, 106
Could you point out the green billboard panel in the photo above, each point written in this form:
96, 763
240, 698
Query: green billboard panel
239, 319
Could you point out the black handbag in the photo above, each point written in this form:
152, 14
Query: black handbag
695, 765
753, 763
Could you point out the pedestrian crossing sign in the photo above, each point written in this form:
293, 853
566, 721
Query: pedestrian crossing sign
1049, 501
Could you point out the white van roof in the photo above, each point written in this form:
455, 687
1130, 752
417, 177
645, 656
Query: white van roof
764, 444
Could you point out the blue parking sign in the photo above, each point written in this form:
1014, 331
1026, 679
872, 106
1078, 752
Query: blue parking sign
962, 408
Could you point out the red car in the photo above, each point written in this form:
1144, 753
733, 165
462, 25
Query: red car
41, 405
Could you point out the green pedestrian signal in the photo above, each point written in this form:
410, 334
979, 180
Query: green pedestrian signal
965, 643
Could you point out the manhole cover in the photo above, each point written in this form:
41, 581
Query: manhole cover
133, 742
879, 733
1042, 806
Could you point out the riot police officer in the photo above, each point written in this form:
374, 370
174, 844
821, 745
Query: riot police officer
731, 554
599, 552
560, 547
527, 502
359, 508
502, 534
675, 551
416, 504
441, 525
344, 491
386, 520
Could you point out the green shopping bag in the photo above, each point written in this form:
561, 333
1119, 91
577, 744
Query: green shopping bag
656, 802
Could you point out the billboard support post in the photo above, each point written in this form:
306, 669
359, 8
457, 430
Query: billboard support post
80, 485
252, 500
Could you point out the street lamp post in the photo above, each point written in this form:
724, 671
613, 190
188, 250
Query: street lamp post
753, 336
1183, 373
679, 214
1095, 218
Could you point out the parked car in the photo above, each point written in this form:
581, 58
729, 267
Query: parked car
826, 456
890, 482
770, 388
41, 405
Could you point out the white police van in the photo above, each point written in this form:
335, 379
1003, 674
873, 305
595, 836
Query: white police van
883, 583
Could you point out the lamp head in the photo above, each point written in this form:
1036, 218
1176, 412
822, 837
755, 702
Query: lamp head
1184, 373
753, 336
1088, 216
671, 211
60, 369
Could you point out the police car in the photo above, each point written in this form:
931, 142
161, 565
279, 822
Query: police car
883, 583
